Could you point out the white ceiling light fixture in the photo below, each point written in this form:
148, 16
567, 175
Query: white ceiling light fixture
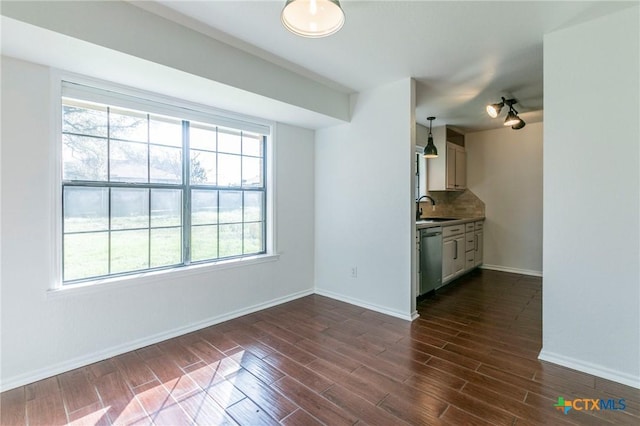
312, 18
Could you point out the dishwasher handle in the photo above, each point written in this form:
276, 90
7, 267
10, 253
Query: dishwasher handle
431, 234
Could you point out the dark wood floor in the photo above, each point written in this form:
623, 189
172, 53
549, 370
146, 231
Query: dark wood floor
470, 359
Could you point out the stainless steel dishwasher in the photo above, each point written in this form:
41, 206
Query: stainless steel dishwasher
430, 259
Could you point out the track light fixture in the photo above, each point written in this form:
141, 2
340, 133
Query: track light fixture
312, 18
512, 119
430, 151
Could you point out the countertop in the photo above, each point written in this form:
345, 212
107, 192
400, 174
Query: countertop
429, 223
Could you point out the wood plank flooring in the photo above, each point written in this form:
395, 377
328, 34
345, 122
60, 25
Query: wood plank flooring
470, 359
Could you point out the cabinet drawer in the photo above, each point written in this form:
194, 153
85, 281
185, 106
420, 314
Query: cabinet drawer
479, 225
448, 231
469, 226
470, 241
471, 260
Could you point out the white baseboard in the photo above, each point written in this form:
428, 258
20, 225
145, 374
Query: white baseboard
367, 305
512, 270
43, 373
590, 368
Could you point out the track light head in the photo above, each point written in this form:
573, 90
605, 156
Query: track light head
519, 125
512, 118
494, 109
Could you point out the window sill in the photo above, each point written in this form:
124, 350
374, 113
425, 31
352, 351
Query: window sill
154, 276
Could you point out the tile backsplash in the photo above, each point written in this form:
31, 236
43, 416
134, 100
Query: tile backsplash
462, 204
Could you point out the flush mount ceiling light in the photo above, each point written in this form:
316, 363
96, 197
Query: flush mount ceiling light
512, 119
312, 18
430, 151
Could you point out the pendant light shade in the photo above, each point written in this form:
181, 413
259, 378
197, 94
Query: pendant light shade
312, 18
430, 151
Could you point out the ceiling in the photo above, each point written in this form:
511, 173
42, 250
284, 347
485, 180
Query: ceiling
463, 54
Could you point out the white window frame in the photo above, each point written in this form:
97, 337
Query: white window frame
195, 111
420, 172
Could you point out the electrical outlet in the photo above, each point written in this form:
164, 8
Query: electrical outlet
354, 272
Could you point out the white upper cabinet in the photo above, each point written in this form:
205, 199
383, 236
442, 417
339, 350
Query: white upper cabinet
447, 172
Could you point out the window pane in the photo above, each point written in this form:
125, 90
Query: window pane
166, 247
230, 206
230, 240
253, 238
129, 208
84, 119
166, 207
204, 242
204, 207
203, 168
166, 164
229, 141
86, 255
123, 188
128, 125
129, 251
165, 131
84, 158
228, 170
202, 136
86, 209
253, 206
252, 172
128, 162
252, 144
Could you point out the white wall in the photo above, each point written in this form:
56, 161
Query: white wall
44, 335
504, 169
364, 202
144, 35
591, 287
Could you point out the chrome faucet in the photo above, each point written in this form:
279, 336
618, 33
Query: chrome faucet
418, 209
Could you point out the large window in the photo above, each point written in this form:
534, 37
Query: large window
143, 190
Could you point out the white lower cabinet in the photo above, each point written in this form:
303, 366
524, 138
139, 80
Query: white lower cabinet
469, 244
461, 249
477, 253
453, 252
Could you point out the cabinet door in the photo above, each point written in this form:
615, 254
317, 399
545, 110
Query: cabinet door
477, 254
451, 166
448, 256
461, 169
459, 257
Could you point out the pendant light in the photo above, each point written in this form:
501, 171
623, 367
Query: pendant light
430, 151
312, 18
